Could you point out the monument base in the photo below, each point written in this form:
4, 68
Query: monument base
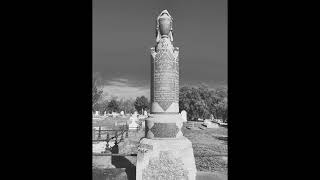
165, 159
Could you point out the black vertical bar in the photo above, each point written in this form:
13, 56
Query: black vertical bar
121, 139
116, 135
93, 134
99, 134
127, 130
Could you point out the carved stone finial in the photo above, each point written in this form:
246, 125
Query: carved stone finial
164, 26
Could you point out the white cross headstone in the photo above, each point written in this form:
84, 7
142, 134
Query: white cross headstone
184, 115
145, 113
133, 119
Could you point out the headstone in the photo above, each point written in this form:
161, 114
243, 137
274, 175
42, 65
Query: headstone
99, 147
219, 121
101, 161
164, 144
184, 115
143, 124
96, 116
115, 114
105, 113
145, 113
133, 124
210, 124
122, 113
207, 121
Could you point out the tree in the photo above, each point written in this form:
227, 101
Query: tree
190, 100
210, 99
222, 103
96, 107
103, 106
113, 105
129, 106
121, 104
200, 102
126, 105
141, 103
222, 109
96, 93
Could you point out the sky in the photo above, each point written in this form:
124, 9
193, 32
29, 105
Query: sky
124, 32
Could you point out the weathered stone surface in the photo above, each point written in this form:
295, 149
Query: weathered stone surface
168, 160
145, 147
164, 26
110, 173
164, 126
164, 130
164, 68
165, 75
210, 176
165, 167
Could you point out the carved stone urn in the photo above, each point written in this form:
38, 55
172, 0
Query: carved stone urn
165, 25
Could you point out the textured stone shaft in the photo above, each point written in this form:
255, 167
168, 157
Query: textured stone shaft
165, 77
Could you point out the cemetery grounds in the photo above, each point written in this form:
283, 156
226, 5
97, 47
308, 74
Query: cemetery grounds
206, 142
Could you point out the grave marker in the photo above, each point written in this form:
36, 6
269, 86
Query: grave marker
164, 141
184, 115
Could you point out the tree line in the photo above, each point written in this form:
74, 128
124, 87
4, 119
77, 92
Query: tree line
115, 104
197, 101
201, 102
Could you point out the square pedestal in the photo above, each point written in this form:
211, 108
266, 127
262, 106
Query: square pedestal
165, 159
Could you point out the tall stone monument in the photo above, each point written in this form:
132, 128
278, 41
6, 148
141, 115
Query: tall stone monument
164, 153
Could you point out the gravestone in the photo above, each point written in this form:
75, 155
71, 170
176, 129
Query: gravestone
209, 124
115, 114
134, 124
184, 115
145, 113
164, 153
207, 121
122, 113
219, 121
97, 113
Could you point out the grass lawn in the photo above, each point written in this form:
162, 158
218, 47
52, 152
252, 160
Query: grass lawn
207, 143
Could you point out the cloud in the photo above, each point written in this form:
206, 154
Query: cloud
127, 89
123, 88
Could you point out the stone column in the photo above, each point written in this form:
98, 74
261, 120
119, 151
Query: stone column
165, 153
